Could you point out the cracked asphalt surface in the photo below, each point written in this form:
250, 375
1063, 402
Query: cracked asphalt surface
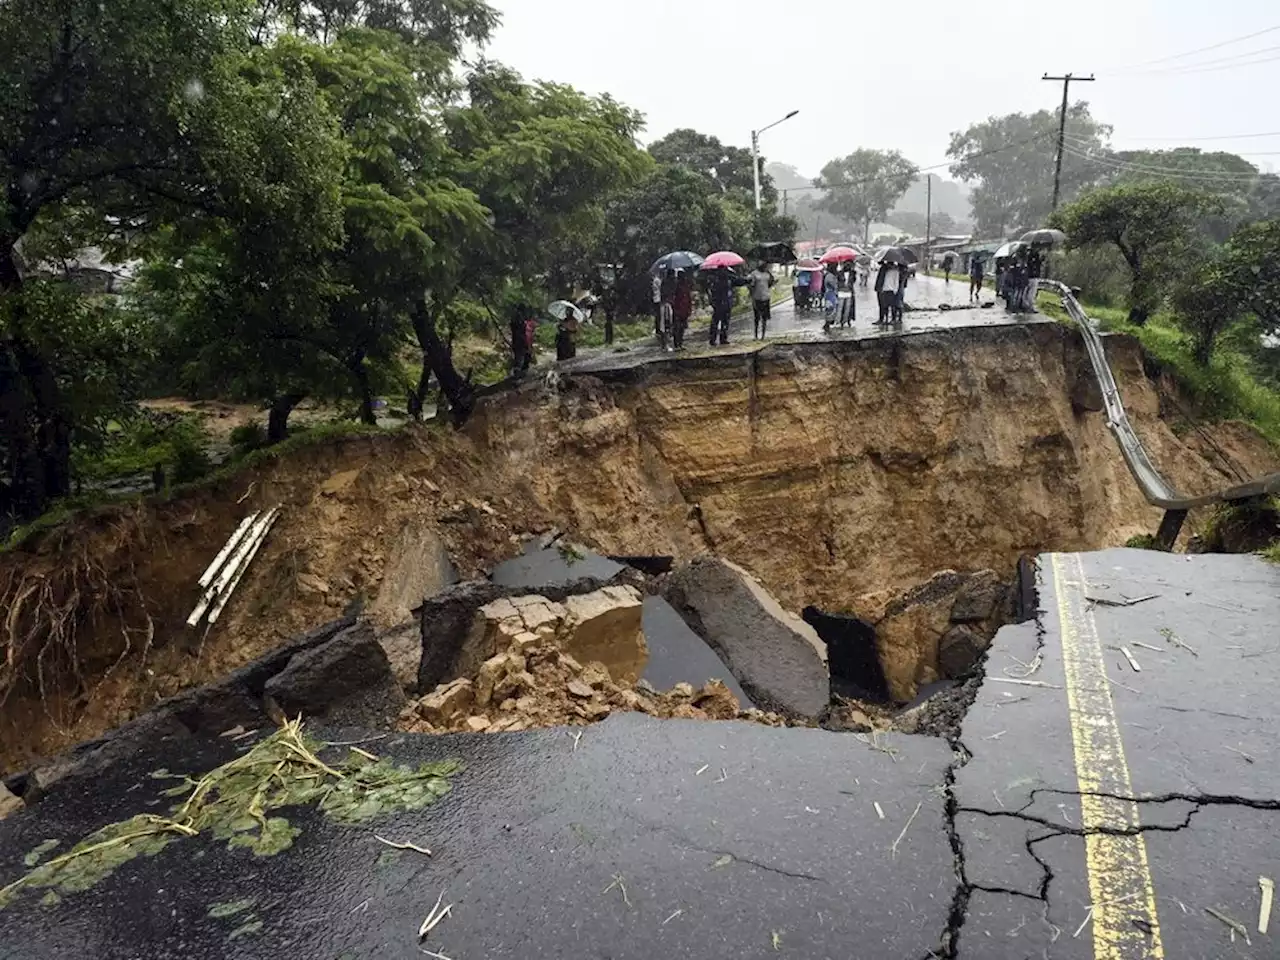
1197, 725
995, 846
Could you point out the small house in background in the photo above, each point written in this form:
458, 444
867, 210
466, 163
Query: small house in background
936, 247
984, 249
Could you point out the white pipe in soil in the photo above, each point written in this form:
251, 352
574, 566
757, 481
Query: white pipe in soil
228, 571
213, 568
244, 565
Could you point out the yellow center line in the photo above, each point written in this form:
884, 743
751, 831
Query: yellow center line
1125, 925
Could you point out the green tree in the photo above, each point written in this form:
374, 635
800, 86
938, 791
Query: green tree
673, 208
728, 170
1011, 158
1240, 279
1153, 226
117, 119
864, 186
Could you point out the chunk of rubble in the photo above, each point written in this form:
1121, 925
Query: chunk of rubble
910, 635
9, 804
776, 656
447, 702
605, 626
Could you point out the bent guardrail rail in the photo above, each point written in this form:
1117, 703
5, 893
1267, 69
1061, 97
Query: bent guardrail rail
1157, 490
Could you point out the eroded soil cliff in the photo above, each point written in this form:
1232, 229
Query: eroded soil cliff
839, 474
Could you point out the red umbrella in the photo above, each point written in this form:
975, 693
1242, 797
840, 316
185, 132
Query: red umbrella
839, 255
725, 258
807, 264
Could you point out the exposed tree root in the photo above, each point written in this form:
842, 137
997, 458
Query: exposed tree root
70, 622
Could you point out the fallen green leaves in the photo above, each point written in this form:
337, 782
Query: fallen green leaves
232, 802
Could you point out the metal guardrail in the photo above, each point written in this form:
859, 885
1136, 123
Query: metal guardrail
1158, 491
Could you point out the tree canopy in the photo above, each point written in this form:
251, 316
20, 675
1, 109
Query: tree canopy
1011, 160
1151, 223
865, 185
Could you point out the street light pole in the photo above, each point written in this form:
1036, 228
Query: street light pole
755, 154
755, 165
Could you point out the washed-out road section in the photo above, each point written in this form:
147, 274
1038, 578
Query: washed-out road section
1087, 809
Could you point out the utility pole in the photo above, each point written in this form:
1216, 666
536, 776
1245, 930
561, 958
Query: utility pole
784, 203
928, 217
1062, 127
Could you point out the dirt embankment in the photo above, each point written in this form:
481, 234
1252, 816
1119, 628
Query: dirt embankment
839, 474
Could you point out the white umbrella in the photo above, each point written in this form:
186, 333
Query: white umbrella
562, 308
1009, 249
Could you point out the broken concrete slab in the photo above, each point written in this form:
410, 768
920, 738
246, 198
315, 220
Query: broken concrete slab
418, 567
774, 655
235, 700
447, 618
9, 804
447, 702
909, 636
959, 651
347, 680
676, 653
606, 626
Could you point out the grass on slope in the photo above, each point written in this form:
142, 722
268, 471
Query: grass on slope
1227, 388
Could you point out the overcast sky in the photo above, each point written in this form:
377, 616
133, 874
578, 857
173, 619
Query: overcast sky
726, 68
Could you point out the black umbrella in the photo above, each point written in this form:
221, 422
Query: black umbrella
772, 251
1045, 237
898, 255
676, 260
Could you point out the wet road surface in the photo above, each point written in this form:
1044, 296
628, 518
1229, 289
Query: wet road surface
778, 835
1096, 811
937, 306
1152, 791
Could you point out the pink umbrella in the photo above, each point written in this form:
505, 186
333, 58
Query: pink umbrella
725, 258
839, 255
807, 264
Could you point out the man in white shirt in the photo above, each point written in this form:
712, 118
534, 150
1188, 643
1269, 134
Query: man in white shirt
760, 281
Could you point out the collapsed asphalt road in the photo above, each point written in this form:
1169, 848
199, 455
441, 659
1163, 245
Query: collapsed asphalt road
1076, 781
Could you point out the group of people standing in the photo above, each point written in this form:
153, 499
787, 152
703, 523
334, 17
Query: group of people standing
672, 298
1016, 276
672, 305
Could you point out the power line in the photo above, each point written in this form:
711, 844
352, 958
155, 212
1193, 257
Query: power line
1233, 60
937, 166
1156, 74
1087, 148
1212, 46
1225, 136
1205, 176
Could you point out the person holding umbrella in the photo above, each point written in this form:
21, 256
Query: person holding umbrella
761, 282
681, 307
721, 281
886, 290
568, 317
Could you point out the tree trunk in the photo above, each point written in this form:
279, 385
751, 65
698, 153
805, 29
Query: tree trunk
457, 390
36, 427
361, 374
417, 399
608, 326
278, 416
